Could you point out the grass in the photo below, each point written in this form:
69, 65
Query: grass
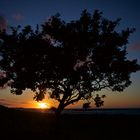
16, 124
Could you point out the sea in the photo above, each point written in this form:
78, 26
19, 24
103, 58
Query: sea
114, 111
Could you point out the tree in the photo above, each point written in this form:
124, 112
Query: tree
86, 106
98, 100
69, 61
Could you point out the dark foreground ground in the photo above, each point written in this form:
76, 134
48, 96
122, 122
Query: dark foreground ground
15, 124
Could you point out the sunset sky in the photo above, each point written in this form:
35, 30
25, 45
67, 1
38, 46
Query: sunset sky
32, 12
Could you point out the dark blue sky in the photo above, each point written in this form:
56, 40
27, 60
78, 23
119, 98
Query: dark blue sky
37, 11
32, 12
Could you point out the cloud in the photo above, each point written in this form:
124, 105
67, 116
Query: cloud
3, 23
24, 102
135, 47
5, 102
2, 100
17, 17
12, 103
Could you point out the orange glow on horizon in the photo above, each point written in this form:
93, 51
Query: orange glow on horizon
128, 99
43, 105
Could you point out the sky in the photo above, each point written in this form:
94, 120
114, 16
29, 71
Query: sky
32, 12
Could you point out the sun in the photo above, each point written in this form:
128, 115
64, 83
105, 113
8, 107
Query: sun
43, 105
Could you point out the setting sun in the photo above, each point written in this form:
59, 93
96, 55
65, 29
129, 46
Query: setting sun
43, 105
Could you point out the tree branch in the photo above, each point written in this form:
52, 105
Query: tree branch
74, 100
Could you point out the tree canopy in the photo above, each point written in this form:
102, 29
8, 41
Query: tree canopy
68, 60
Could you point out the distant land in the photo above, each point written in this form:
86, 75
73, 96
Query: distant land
91, 111
111, 111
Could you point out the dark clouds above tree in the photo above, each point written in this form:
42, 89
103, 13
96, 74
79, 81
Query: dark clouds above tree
135, 47
3, 22
17, 17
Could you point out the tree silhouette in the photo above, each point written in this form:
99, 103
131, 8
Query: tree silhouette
86, 106
98, 100
69, 61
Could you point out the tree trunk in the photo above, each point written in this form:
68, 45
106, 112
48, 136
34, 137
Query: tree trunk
59, 109
62, 104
